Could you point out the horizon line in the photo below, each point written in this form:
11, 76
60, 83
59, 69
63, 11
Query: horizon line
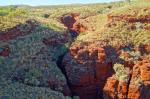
32, 5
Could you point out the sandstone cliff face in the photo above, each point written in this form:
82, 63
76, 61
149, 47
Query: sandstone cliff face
115, 89
138, 87
69, 19
87, 70
89, 65
73, 23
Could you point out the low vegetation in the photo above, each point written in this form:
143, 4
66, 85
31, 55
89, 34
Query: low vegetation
31, 69
121, 72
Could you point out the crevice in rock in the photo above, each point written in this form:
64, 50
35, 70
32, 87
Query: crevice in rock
116, 91
60, 64
61, 67
128, 84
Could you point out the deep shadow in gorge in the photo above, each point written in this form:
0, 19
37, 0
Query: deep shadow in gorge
128, 84
61, 67
59, 61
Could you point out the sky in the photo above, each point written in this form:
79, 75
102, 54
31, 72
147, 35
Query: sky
49, 2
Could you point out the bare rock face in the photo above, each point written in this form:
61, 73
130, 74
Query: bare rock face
139, 87
110, 89
73, 23
115, 89
87, 70
69, 19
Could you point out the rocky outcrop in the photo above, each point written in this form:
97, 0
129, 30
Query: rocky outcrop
88, 66
129, 18
139, 87
74, 23
87, 70
69, 19
115, 89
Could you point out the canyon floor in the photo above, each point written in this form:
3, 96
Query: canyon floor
81, 51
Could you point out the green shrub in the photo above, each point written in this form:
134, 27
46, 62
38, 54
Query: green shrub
122, 73
31, 77
46, 15
134, 56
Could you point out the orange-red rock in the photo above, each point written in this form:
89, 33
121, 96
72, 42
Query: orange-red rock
73, 23
147, 47
80, 26
115, 89
87, 70
69, 19
139, 87
129, 18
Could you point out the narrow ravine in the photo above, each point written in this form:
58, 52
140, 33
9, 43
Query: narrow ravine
128, 84
61, 67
